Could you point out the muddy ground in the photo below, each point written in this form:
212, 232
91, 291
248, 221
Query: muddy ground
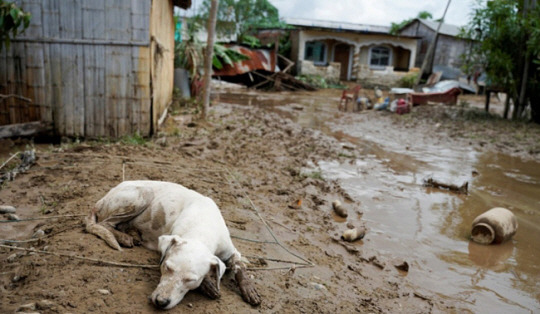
254, 163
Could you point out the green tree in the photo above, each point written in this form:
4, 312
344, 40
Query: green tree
507, 46
243, 17
13, 21
395, 27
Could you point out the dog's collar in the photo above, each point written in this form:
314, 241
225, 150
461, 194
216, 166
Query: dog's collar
164, 254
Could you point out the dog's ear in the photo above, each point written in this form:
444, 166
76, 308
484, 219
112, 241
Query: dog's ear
217, 269
165, 242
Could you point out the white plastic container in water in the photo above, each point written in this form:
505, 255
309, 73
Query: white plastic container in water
494, 226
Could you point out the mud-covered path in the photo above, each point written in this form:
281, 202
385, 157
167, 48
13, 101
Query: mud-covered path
428, 227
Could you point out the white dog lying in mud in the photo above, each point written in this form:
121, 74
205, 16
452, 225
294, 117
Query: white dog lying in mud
186, 227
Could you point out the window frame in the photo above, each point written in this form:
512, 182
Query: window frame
324, 50
379, 66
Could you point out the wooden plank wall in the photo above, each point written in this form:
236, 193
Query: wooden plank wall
86, 64
162, 56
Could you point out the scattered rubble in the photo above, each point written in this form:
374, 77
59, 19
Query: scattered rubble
355, 234
463, 189
339, 209
6, 209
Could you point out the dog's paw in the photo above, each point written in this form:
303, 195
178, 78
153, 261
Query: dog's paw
249, 293
209, 288
125, 240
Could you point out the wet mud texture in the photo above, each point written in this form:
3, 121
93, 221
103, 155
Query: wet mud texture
244, 158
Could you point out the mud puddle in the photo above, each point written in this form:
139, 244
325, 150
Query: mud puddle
429, 228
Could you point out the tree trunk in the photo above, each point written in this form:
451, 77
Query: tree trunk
522, 102
211, 29
506, 105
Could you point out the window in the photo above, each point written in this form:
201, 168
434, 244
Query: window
316, 52
379, 57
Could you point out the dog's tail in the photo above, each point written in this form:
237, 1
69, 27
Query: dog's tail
99, 230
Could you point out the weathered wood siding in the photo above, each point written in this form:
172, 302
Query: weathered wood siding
162, 34
88, 66
427, 36
448, 49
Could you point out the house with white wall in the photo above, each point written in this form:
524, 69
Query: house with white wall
351, 52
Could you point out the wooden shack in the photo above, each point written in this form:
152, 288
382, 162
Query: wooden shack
449, 45
99, 68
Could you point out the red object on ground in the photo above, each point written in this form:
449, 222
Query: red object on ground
402, 106
448, 98
349, 94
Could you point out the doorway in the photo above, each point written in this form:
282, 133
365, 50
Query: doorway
342, 54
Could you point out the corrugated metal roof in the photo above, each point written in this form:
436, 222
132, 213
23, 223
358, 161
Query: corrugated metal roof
446, 29
259, 59
338, 25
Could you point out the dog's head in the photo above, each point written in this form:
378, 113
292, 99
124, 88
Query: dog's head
184, 264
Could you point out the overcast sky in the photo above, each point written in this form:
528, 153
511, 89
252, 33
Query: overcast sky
375, 12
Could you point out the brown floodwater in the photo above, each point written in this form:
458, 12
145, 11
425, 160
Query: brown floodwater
427, 227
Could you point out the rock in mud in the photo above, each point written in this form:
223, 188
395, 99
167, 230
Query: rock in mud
6, 209
162, 141
375, 261
104, 291
12, 258
317, 286
339, 209
45, 304
403, 265
354, 234
38, 234
25, 308
12, 217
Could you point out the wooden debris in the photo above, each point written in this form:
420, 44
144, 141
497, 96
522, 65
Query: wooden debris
420, 296
463, 189
27, 159
280, 81
23, 129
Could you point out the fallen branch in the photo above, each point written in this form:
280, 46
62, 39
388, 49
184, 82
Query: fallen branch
2, 97
9, 159
80, 257
268, 228
276, 260
43, 237
418, 295
20, 241
28, 159
251, 240
280, 268
463, 189
44, 218
280, 224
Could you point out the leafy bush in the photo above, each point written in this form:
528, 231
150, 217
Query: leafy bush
408, 80
13, 21
318, 81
